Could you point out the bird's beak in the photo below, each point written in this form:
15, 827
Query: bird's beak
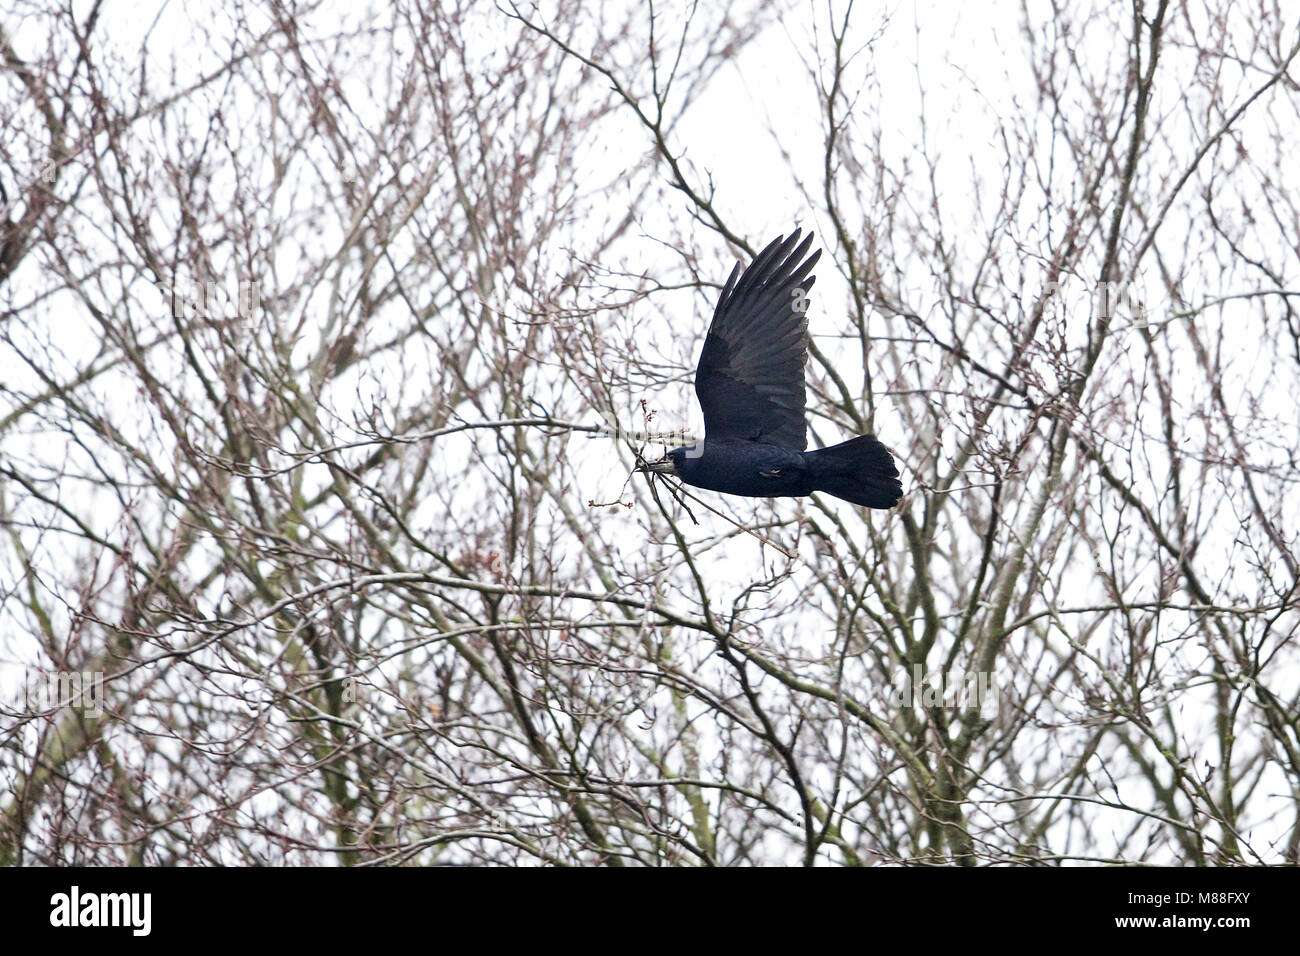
664, 466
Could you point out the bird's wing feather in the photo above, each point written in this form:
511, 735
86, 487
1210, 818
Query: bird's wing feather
750, 380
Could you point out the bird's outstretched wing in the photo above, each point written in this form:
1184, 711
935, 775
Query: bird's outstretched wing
750, 378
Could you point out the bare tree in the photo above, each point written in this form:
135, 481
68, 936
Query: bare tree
330, 341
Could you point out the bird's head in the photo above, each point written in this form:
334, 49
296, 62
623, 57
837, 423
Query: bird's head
670, 464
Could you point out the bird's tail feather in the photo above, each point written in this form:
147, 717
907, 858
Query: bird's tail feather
859, 470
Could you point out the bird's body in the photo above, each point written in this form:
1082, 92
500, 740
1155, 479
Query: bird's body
860, 470
751, 390
757, 469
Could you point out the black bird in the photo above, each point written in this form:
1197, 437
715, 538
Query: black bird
751, 390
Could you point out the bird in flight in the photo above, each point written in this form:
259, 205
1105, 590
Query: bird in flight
750, 384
